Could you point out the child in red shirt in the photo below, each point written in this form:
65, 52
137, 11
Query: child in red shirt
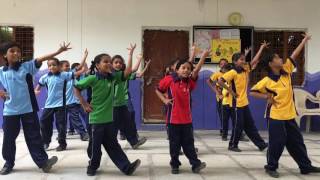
178, 86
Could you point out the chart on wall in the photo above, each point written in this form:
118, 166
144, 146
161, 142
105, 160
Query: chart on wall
223, 42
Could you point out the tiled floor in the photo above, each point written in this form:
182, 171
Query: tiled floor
221, 164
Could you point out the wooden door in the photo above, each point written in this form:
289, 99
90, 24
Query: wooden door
162, 47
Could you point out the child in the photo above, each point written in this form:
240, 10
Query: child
100, 112
133, 77
55, 106
277, 89
20, 106
73, 104
179, 119
227, 107
238, 79
217, 89
121, 114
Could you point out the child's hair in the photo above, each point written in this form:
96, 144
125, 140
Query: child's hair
95, 61
236, 56
180, 62
266, 58
4, 48
74, 65
122, 61
223, 59
55, 60
63, 62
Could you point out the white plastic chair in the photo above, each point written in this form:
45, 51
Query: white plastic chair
301, 96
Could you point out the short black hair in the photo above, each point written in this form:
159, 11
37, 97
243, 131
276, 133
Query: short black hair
180, 62
55, 59
74, 65
7, 45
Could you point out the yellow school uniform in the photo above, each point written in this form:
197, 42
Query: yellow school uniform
280, 86
215, 77
238, 79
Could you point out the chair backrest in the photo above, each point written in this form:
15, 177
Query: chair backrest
300, 98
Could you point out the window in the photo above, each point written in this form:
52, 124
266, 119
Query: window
283, 43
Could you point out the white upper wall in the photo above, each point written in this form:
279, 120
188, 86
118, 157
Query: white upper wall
110, 25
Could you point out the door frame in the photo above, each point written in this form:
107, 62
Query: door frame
164, 28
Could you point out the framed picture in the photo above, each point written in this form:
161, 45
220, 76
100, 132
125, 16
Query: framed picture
223, 41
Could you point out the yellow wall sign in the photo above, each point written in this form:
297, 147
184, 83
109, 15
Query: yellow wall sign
224, 48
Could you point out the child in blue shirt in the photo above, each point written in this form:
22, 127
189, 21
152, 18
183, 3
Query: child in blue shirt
20, 106
55, 106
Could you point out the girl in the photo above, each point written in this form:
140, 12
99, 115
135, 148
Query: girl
20, 106
217, 89
179, 120
276, 88
133, 77
122, 116
73, 104
55, 106
100, 111
238, 79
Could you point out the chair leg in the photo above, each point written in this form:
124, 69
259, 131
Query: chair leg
308, 124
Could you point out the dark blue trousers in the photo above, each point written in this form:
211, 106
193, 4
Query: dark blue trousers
182, 136
31, 128
105, 134
46, 122
286, 134
227, 113
219, 110
244, 122
74, 111
123, 122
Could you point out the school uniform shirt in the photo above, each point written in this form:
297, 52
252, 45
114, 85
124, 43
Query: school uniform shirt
18, 83
227, 97
121, 91
56, 86
71, 98
102, 95
280, 86
238, 78
180, 90
215, 77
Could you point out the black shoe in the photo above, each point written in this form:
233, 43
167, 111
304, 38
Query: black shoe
139, 143
175, 170
262, 148
312, 169
133, 166
224, 138
196, 149
221, 133
91, 172
85, 137
199, 168
5, 170
180, 152
46, 146
273, 174
61, 148
50, 162
235, 149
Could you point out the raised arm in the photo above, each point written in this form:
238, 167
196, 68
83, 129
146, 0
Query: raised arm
80, 71
196, 70
136, 66
192, 53
128, 69
256, 58
83, 61
247, 51
63, 47
139, 75
298, 50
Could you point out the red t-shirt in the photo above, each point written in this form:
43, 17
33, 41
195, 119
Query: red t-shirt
180, 90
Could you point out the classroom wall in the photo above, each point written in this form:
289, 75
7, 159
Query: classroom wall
110, 25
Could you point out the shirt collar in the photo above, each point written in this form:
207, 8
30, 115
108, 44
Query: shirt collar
104, 76
15, 66
176, 78
238, 69
276, 77
55, 74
